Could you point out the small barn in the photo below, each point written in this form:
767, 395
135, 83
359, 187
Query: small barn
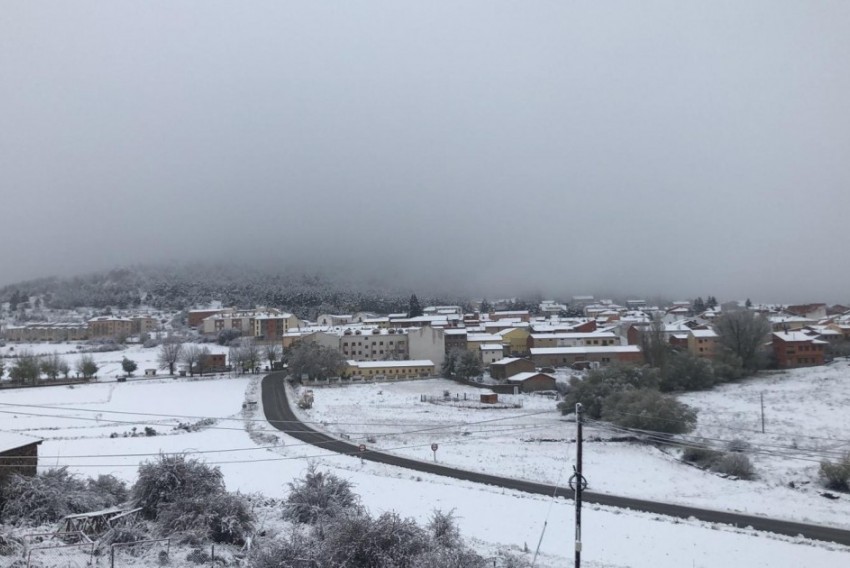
18, 454
532, 381
504, 368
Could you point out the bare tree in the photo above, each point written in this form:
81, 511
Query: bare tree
314, 360
204, 361
236, 358
273, 353
51, 365
251, 354
743, 332
170, 352
192, 356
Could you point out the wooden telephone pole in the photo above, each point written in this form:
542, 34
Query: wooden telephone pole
579, 483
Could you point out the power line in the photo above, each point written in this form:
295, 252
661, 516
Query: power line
247, 449
684, 442
281, 458
365, 436
733, 429
228, 418
674, 421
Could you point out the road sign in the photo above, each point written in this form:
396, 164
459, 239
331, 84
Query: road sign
362, 447
434, 447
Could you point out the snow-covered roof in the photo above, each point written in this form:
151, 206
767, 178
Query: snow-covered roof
506, 361
394, 364
704, 333
483, 338
455, 331
12, 440
796, 336
491, 347
269, 316
580, 350
520, 377
788, 319
575, 335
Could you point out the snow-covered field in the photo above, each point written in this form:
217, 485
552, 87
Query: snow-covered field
77, 424
536, 443
109, 363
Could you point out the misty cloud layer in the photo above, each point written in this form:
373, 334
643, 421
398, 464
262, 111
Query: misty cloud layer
655, 147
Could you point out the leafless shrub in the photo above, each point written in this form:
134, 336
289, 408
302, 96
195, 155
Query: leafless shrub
735, 464
836, 475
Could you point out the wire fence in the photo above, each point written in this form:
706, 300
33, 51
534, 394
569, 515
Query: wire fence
156, 552
467, 400
122, 554
60, 556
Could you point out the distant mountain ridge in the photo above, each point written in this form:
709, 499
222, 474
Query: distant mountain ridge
183, 286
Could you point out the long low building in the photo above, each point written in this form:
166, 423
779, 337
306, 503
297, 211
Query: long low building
568, 356
405, 369
47, 332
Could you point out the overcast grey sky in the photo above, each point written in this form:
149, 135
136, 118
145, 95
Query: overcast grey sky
678, 148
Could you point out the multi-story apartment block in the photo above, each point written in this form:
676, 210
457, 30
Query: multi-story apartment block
108, 326
143, 324
702, 342
455, 339
245, 321
427, 343
374, 345
796, 349
272, 326
195, 318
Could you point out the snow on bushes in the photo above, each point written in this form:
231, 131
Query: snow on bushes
836, 475
171, 478
226, 519
735, 464
335, 530
186, 497
55, 493
318, 494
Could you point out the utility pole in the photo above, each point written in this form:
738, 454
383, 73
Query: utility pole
579, 480
761, 395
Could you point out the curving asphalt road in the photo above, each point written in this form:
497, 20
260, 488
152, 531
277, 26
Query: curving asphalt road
280, 415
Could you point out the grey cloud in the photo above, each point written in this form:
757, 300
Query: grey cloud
666, 147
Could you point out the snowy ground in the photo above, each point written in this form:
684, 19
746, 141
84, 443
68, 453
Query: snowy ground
535, 443
77, 424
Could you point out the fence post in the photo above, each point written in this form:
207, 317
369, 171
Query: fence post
212, 554
112, 556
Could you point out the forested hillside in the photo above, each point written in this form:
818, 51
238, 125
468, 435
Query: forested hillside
185, 286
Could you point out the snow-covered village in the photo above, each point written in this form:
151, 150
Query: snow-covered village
108, 415
392, 284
